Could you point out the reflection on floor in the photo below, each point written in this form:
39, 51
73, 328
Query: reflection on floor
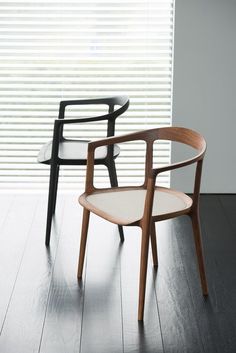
44, 309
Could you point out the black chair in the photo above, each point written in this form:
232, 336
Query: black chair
63, 151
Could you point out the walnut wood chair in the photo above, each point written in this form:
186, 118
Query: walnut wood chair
63, 151
144, 205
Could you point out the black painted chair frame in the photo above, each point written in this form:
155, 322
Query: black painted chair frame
55, 161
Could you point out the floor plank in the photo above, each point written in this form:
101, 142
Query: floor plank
220, 245
24, 320
44, 309
63, 320
13, 237
228, 202
215, 319
179, 326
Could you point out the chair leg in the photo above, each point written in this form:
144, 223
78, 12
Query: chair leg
55, 189
113, 180
154, 245
198, 246
83, 241
50, 202
143, 271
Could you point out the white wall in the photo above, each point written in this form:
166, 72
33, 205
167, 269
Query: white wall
204, 86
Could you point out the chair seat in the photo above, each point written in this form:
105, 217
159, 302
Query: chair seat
125, 205
73, 150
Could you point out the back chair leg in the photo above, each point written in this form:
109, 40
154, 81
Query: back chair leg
154, 245
51, 192
55, 189
83, 241
114, 183
198, 246
143, 271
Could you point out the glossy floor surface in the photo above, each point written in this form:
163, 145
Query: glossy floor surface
44, 309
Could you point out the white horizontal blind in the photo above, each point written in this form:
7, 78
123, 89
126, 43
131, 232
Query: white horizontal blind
54, 50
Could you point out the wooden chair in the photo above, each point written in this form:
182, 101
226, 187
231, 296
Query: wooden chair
144, 205
63, 151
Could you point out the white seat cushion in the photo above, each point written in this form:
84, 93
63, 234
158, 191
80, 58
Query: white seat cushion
127, 206
73, 150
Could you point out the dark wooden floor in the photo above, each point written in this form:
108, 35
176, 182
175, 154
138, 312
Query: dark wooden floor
44, 309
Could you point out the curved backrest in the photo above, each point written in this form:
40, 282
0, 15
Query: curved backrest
121, 102
183, 135
117, 105
177, 134
174, 134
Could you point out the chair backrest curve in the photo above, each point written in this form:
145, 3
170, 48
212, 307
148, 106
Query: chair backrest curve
183, 135
121, 101
177, 134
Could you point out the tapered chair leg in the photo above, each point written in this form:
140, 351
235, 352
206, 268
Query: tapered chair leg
55, 189
143, 272
50, 202
198, 246
114, 183
154, 245
83, 241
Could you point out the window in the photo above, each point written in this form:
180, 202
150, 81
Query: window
54, 50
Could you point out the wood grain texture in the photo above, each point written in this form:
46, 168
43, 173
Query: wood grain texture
25, 316
138, 337
83, 241
177, 134
154, 245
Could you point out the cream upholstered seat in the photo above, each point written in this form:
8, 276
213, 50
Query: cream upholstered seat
144, 205
127, 204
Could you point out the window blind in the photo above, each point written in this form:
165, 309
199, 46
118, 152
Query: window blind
54, 50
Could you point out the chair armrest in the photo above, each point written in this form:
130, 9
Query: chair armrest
104, 142
140, 136
62, 121
88, 101
57, 131
64, 104
110, 101
156, 171
110, 116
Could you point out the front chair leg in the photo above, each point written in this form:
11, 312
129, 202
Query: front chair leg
154, 245
51, 195
114, 183
143, 271
55, 189
83, 241
198, 246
